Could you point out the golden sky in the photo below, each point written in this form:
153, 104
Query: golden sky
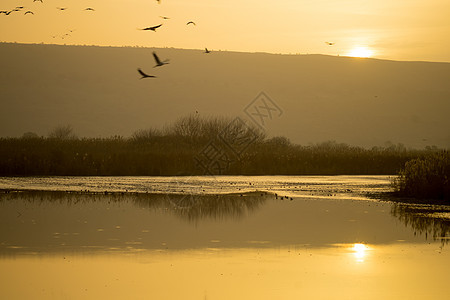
399, 30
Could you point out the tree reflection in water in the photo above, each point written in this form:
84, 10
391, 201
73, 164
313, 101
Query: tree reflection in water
185, 206
433, 220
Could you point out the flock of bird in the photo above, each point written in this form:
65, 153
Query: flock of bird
17, 9
159, 63
20, 9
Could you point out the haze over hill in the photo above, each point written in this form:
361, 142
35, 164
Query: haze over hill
98, 91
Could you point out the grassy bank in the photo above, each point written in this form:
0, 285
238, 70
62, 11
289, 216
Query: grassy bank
186, 148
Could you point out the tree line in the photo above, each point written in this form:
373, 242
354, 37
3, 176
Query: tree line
194, 145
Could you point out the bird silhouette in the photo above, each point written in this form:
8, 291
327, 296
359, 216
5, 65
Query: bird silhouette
144, 75
153, 28
29, 12
191, 22
164, 17
61, 8
38, 1
207, 51
329, 43
89, 8
159, 63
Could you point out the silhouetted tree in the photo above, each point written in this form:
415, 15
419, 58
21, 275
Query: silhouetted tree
62, 132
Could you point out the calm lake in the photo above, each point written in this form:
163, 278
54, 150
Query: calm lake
224, 237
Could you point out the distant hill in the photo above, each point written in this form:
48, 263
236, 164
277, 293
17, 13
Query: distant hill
97, 90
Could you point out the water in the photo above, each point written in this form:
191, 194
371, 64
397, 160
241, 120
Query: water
292, 186
218, 238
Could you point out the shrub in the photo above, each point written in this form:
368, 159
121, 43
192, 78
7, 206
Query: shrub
426, 177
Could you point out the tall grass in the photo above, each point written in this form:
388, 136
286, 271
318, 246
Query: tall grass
172, 151
425, 177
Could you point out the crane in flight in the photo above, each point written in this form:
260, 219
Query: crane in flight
144, 75
159, 63
152, 28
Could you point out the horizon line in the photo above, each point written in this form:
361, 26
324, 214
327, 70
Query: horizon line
229, 51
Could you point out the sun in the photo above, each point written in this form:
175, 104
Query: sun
360, 52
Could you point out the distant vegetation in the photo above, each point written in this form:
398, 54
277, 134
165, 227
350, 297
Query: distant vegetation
183, 147
425, 177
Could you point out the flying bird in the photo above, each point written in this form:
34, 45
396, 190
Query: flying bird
29, 12
145, 75
159, 63
329, 43
207, 51
164, 17
38, 1
191, 22
153, 28
61, 8
89, 8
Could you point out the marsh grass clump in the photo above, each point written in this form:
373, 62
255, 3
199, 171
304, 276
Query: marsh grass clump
426, 177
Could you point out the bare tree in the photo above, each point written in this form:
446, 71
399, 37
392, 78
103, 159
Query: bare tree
62, 132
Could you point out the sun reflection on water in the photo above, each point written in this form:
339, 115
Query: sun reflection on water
360, 251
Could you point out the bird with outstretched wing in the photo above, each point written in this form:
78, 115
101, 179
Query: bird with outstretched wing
159, 63
144, 75
152, 28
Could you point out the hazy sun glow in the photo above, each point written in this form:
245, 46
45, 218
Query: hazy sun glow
360, 52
